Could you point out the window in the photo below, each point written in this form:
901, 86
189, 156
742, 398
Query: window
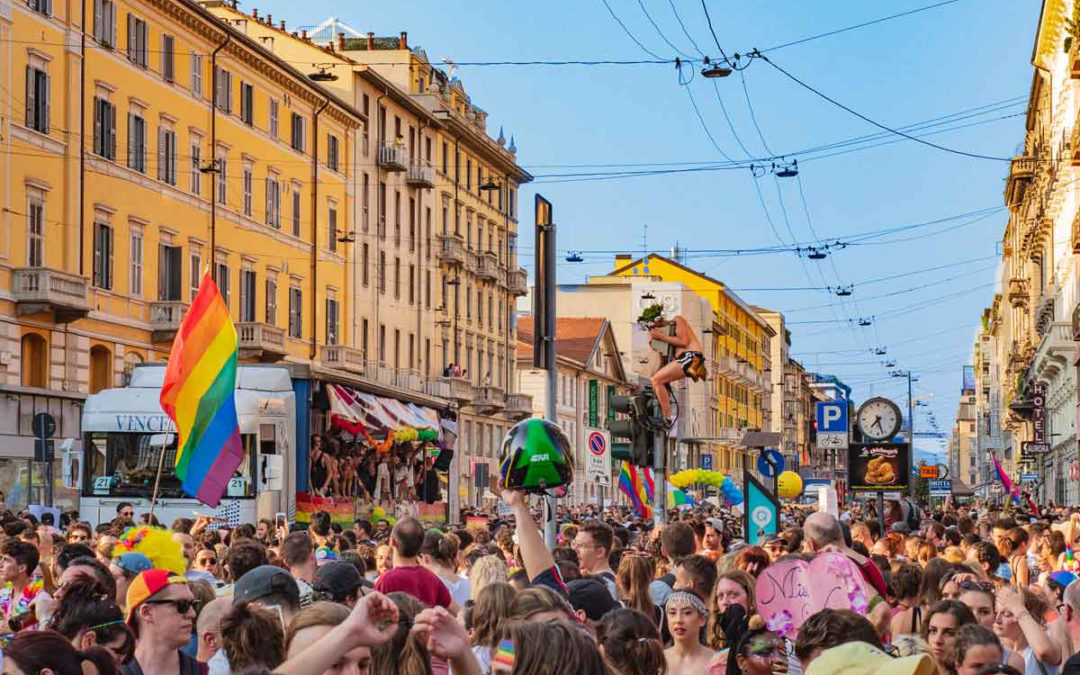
397, 217
35, 231
169, 272
412, 224
105, 22
247, 178
247, 103
196, 269
136, 44
397, 348
331, 222
332, 151
247, 295
445, 156
397, 278
35, 361
273, 118
136, 141
273, 201
222, 179
103, 256
271, 301
298, 130
296, 312
364, 337
196, 165
168, 58
382, 343
365, 198
166, 155
412, 284
491, 302
364, 260
427, 233
381, 197
468, 174
37, 99
331, 321
366, 107
380, 274
222, 281
43, 6
513, 200
296, 210
427, 289
223, 89
104, 128
135, 283
196, 73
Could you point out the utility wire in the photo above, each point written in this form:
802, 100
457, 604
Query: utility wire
708, 19
683, 26
631, 35
641, 4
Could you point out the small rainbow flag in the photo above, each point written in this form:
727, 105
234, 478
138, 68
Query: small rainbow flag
198, 395
637, 484
677, 498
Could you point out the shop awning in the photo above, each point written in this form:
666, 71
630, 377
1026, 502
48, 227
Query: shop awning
376, 414
962, 489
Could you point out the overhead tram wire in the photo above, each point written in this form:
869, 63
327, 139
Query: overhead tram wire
684, 30
648, 17
630, 34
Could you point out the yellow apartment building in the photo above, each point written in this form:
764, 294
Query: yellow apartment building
741, 339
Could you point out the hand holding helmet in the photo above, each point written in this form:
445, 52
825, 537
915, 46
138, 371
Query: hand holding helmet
536, 457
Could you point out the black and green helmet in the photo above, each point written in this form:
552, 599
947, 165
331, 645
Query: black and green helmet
536, 457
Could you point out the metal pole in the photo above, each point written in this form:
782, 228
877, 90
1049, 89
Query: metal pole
911, 436
550, 526
659, 478
881, 512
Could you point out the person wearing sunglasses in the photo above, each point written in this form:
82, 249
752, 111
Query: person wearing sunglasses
161, 612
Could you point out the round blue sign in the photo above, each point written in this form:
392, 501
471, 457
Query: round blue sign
770, 463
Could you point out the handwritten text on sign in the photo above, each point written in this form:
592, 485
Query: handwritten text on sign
786, 597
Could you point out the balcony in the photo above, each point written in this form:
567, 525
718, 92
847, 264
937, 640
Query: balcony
518, 406
487, 266
344, 358
489, 399
261, 341
1018, 292
165, 318
39, 289
517, 282
1055, 350
725, 365
1021, 171
421, 174
409, 380
461, 390
393, 157
381, 373
470, 260
439, 387
451, 249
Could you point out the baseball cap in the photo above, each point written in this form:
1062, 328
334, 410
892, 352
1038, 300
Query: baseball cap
592, 597
337, 579
861, 658
133, 563
265, 580
144, 586
1062, 578
901, 528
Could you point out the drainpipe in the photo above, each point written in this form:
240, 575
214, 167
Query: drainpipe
82, 134
213, 154
418, 234
379, 132
315, 230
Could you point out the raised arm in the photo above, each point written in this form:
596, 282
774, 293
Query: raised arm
534, 553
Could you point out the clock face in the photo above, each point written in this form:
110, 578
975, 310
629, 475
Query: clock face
879, 419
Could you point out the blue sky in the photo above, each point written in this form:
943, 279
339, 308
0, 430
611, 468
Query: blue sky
957, 57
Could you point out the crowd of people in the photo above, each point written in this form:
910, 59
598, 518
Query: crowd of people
961, 591
385, 474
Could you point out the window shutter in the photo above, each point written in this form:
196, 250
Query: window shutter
131, 140
161, 171
163, 273
109, 257
45, 103
131, 46
99, 20
111, 110
31, 96
97, 126
172, 159
111, 10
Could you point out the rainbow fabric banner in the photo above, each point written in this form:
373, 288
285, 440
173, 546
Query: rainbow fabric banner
1014, 491
341, 510
636, 483
677, 498
199, 396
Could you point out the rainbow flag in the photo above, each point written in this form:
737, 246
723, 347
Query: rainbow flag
341, 510
637, 484
677, 498
1014, 491
198, 395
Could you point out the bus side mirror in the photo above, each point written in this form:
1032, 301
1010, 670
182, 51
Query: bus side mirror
271, 472
71, 464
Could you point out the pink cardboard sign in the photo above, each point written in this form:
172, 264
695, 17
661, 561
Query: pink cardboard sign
791, 591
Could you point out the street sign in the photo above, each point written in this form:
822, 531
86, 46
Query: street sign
762, 511
940, 488
1034, 448
43, 425
928, 471
770, 463
1029, 478
879, 466
706, 462
598, 457
832, 425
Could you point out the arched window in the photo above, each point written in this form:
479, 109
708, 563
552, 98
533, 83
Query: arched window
131, 359
35, 361
100, 368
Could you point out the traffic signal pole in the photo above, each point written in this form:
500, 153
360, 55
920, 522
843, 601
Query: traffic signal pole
659, 479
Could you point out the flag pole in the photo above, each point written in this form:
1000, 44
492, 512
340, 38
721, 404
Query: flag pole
157, 481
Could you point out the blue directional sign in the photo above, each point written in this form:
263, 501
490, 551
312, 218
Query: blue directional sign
832, 416
762, 512
770, 463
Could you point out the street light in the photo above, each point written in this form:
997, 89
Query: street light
714, 70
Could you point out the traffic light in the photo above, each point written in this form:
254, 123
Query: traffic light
636, 429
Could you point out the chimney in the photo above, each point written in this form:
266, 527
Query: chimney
622, 259
303, 35
341, 42
371, 41
282, 25
403, 40
255, 13
269, 20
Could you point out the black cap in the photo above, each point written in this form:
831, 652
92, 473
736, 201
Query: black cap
592, 596
265, 580
339, 580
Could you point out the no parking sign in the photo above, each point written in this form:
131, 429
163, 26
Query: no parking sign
598, 457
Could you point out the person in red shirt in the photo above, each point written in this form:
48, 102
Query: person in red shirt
408, 575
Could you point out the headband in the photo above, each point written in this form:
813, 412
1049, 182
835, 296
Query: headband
685, 598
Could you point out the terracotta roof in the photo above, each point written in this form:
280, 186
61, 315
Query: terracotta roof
575, 337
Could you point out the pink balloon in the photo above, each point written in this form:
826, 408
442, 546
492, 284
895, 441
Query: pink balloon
791, 591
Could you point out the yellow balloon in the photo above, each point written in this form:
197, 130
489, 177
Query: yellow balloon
789, 485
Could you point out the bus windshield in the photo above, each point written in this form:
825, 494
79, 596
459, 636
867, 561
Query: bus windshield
126, 464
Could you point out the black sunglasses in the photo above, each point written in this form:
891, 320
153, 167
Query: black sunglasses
181, 605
